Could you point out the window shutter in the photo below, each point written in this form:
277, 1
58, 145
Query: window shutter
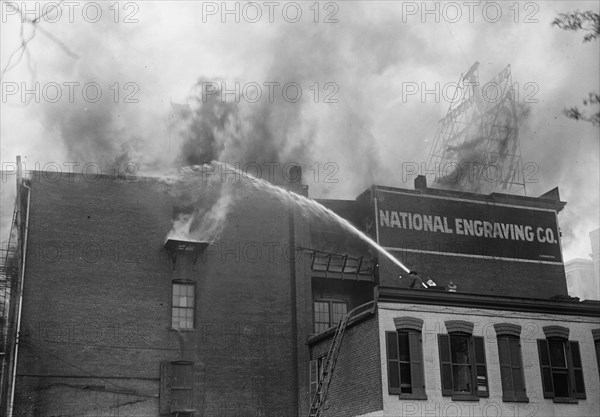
445, 364
577, 370
198, 385
480, 367
546, 369
393, 362
164, 395
313, 378
517, 369
508, 389
416, 363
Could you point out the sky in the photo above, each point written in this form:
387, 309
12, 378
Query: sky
97, 83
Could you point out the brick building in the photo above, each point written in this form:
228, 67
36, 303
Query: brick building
430, 353
117, 320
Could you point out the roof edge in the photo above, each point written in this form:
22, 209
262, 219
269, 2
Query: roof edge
586, 308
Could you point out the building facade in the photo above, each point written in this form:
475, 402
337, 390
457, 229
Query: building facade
119, 316
431, 353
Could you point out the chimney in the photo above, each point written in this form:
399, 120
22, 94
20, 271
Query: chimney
420, 182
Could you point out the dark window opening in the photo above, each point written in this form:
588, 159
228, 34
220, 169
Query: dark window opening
463, 366
405, 364
316, 372
176, 395
561, 369
182, 386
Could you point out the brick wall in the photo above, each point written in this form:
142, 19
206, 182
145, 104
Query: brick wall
478, 276
97, 303
356, 383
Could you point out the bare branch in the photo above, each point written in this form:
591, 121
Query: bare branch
23, 50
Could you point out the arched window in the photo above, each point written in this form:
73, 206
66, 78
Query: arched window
405, 359
511, 364
462, 362
560, 363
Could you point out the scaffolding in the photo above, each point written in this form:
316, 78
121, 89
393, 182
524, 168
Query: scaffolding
9, 270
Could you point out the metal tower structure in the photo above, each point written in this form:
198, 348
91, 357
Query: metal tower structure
476, 146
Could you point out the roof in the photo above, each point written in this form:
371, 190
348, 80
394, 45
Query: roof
564, 305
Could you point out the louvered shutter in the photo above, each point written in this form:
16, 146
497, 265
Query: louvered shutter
416, 363
545, 368
313, 378
480, 367
445, 364
393, 362
164, 395
577, 370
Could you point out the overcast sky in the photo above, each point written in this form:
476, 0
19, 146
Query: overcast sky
350, 60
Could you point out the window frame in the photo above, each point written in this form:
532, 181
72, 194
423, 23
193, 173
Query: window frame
330, 302
477, 362
167, 377
513, 365
545, 360
412, 329
183, 388
193, 308
415, 364
315, 374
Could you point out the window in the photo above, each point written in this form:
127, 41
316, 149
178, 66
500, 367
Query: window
462, 362
182, 313
561, 368
405, 359
511, 363
328, 313
177, 388
316, 372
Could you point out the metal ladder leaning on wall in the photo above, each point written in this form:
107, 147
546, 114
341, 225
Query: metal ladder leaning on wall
318, 401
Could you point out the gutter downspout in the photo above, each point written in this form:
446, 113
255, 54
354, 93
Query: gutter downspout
20, 292
294, 307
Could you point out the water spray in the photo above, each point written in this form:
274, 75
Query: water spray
310, 205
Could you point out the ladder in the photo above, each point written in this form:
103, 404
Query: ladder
318, 401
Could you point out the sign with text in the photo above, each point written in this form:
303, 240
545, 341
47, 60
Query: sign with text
439, 224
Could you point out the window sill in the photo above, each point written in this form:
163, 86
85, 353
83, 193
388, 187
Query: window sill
515, 399
565, 400
411, 396
181, 330
464, 397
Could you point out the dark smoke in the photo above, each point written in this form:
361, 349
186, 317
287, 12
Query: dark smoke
237, 131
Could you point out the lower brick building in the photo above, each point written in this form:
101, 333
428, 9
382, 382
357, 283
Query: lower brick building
424, 353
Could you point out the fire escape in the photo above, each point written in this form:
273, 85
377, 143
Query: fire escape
9, 270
